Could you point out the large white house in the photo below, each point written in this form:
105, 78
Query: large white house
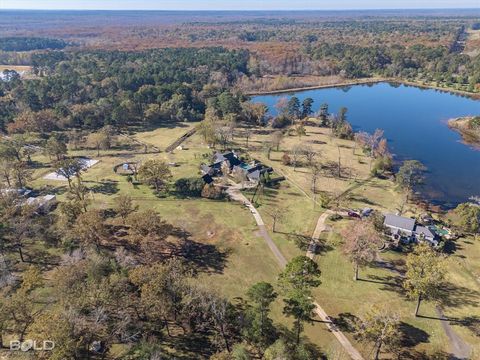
407, 229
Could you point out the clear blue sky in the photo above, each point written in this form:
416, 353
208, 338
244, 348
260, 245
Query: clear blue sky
235, 4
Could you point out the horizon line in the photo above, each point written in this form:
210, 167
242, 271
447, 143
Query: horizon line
234, 10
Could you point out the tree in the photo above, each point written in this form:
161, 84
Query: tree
247, 134
282, 106
293, 108
276, 139
189, 186
425, 274
240, 352
299, 276
154, 173
380, 326
277, 214
227, 104
410, 175
310, 154
89, 228
300, 273
153, 113
466, 218
69, 168
21, 173
148, 231
300, 130
161, 290
259, 329
21, 305
254, 112
323, 114
298, 150
208, 127
267, 147
6, 171
55, 147
307, 107
124, 206
299, 305
342, 114
316, 170
361, 243
13, 148
286, 160
101, 140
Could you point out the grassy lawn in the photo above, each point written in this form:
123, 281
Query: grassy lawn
235, 257
164, 136
340, 296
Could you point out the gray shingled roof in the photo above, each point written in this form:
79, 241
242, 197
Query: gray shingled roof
399, 222
425, 231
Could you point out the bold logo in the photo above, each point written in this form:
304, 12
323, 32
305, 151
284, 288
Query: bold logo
27, 345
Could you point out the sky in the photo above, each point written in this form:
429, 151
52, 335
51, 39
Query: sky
235, 4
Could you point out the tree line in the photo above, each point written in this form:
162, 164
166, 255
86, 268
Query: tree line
30, 43
94, 89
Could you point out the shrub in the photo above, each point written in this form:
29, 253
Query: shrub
381, 164
286, 160
212, 192
280, 122
335, 217
189, 186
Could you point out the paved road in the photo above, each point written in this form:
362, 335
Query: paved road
236, 195
321, 227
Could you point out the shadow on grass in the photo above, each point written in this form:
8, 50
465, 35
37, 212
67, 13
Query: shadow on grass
190, 346
389, 282
106, 188
452, 295
345, 322
205, 257
362, 199
411, 354
411, 336
472, 323
303, 242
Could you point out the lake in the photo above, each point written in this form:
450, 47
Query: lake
415, 124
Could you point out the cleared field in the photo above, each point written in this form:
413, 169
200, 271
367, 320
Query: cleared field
472, 47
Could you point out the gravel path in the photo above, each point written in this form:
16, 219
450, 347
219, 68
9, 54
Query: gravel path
235, 194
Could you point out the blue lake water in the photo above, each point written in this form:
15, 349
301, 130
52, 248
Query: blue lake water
415, 124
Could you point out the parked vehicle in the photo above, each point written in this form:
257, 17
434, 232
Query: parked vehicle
353, 214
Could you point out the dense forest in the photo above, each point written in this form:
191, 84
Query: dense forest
93, 89
30, 43
430, 50
415, 62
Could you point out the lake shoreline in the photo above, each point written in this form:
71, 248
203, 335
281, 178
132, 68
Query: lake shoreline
409, 116
461, 125
366, 81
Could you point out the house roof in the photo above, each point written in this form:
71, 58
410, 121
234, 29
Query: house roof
228, 156
422, 230
207, 178
399, 222
206, 169
254, 175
